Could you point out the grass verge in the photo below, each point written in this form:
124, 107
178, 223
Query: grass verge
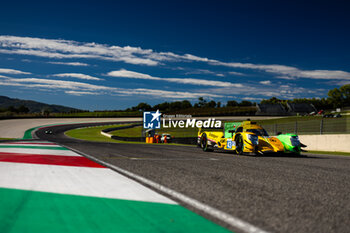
94, 134
176, 132
327, 152
91, 133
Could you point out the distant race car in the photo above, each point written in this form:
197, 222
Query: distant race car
48, 131
247, 137
167, 136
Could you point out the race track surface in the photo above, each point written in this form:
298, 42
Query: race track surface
278, 194
15, 128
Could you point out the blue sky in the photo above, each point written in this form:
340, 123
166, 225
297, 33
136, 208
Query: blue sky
113, 55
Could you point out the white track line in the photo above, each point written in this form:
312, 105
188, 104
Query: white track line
83, 181
39, 151
27, 144
30, 141
218, 214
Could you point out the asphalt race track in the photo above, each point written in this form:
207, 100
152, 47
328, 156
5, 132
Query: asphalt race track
278, 194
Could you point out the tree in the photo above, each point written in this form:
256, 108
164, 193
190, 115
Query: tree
272, 100
186, 104
339, 97
23, 109
335, 97
46, 111
12, 109
218, 104
345, 90
245, 103
232, 103
211, 104
174, 106
201, 102
143, 107
162, 107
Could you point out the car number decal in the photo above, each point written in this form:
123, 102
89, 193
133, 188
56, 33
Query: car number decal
230, 143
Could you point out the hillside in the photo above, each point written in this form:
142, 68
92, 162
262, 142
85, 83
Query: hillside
33, 106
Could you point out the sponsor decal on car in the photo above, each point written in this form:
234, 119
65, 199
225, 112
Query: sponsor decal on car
229, 144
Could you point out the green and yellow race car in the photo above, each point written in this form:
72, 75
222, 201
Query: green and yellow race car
247, 137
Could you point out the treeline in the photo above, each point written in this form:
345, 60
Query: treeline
24, 111
185, 104
21, 109
337, 98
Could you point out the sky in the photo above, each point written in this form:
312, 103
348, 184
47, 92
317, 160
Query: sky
105, 55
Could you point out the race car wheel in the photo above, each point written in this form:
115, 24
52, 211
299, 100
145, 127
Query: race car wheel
204, 143
239, 144
199, 142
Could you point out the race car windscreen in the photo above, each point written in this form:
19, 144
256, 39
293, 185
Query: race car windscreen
258, 132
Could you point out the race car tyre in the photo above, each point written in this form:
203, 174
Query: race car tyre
204, 143
239, 144
256, 152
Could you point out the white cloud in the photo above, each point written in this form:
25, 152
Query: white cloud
130, 74
79, 93
69, 63
79, 87
122, 73
282, 91
289, 71
236, 73
267, 82
204, 71
285, 77
339, 83
72, 49
12, 71
251, 98
60, 49
77, 75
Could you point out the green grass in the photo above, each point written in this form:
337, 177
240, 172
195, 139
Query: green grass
131, 132
180, 132
176, 132
91, 133
327, 152
94, 134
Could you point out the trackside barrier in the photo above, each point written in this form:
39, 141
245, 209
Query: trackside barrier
106, 134
315, 126
327, 142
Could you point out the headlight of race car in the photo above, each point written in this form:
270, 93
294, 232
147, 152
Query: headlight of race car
254, 139
295, 141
